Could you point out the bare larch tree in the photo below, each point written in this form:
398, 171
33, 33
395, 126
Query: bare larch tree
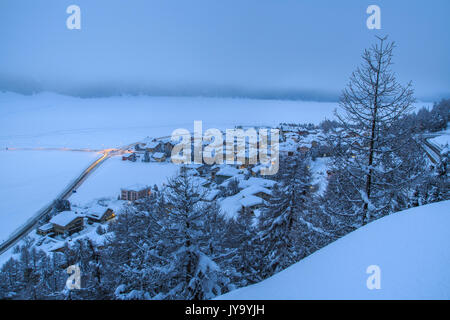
371, 105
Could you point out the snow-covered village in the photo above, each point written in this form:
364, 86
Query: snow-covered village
178, 187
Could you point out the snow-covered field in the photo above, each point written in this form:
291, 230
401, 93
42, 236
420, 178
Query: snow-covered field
29, 180
53, 120
60, 121
106, 181
443, 139
411, 248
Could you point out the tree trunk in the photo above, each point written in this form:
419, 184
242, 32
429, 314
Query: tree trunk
372, 138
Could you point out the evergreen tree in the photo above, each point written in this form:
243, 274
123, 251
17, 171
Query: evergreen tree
370, 169
135, 250
192, 274
281, 220
244, 255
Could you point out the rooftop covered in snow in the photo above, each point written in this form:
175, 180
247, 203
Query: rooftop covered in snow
136, 187
64, 218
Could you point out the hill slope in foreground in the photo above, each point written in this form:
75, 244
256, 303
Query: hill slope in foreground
411, 248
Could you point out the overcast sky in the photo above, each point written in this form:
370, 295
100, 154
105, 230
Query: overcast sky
262, 48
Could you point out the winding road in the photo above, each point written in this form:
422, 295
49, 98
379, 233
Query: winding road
64, 195
433, 152
31, 223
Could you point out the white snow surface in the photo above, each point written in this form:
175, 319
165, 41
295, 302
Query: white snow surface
48, 119
30, 180
319, 174
230, 206
443, 139
250, 200
64, 218
410, 247
52, 120
115, 174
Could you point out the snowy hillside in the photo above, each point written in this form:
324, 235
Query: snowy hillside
410, 247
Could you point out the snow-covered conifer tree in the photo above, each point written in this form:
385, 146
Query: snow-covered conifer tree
282, 220
192, 274
370, 169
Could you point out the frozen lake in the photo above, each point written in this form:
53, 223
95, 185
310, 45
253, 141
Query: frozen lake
51, 120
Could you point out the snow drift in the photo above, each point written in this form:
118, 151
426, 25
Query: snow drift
411, 248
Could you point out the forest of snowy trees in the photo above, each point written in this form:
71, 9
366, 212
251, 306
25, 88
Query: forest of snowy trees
173, 245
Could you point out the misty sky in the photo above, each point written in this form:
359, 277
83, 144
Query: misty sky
259, 48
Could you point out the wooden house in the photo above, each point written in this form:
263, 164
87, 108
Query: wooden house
153, 146
167, 146
67, 223
45, 229
225, 173
250, 203
100, 215
159, 157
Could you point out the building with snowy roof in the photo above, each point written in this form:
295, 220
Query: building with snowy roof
225, 173
256, 181
251, 202
67, 223
159, 156
151, 145
99, 214
134, 192
45, 229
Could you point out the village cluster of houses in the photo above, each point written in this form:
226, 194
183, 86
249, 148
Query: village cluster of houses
151, 150
250, 189
213, 180
292, 138
69, 222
